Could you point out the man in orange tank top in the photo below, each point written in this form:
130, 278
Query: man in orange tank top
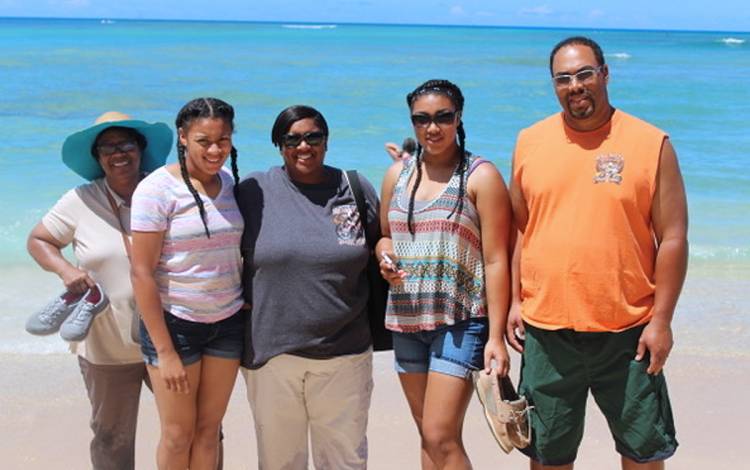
599, 264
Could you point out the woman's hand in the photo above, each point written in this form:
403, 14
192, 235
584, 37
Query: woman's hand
173, 373
495, 349
45, 249
393, 150
389, 269
76, 280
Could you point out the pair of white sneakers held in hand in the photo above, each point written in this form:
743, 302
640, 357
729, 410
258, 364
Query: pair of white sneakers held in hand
69, 313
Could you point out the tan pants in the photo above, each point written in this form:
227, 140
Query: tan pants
114, 392
330, 397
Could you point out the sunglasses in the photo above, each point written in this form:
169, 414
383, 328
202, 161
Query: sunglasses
583, 76
105, 150
444, 118
312, 138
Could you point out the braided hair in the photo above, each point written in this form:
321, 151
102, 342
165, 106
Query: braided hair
197, 109
453, 93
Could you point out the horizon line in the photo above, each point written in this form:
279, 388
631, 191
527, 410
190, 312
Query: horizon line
351, 23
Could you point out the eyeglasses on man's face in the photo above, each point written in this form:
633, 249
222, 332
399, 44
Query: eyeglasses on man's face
582, 76
442, 118
312, 139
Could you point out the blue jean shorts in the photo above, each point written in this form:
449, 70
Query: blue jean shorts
455, 350
192, 340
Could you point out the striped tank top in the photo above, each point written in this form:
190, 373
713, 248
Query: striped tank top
443, 258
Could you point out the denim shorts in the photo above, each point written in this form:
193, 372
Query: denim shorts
192, 340
455, 350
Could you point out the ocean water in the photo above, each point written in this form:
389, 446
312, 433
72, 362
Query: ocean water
58, 75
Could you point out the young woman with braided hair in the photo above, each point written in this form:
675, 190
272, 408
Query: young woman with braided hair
445, 217
187, 279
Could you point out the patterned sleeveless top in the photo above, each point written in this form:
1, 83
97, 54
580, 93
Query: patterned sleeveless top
443, 258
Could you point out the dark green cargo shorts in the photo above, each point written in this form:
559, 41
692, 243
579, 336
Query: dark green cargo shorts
560, 367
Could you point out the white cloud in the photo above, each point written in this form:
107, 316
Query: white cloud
541, 10
457, 10
596, 13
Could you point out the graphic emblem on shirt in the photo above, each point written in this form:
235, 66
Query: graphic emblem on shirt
609, 168
348, 226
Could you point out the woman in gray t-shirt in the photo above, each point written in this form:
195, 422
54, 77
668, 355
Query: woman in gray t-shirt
308, 355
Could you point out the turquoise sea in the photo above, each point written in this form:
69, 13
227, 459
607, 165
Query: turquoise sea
56, 76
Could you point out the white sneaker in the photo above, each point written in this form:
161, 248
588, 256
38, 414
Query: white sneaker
77, 326
48, 320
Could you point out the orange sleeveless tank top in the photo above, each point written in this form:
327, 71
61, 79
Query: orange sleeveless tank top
588, 253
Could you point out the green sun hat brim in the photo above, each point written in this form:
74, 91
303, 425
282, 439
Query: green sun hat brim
76, 150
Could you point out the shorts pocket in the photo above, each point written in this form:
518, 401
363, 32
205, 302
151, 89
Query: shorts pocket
646, 430
463, 343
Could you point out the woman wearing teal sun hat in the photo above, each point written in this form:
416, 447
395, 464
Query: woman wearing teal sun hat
113, 155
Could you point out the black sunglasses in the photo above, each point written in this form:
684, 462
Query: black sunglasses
444, 118
110, 149
312, 138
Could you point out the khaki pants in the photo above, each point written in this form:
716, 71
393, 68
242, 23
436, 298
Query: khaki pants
114, 392
330, 397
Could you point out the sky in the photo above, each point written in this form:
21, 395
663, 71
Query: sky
716, 15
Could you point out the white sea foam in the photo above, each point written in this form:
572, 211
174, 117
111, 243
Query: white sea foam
309, 26
719, 253
24, 289
620, 55
733, 41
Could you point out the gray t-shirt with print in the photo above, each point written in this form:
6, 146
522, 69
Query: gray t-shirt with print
304, 266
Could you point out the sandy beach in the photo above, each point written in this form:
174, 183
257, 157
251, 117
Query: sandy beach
358, 74
45, 412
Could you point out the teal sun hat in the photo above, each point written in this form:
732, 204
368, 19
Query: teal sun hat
76, 150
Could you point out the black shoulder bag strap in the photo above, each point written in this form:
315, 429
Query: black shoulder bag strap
381, 338
359, 198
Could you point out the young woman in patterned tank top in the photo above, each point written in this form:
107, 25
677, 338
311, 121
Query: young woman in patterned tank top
445, 219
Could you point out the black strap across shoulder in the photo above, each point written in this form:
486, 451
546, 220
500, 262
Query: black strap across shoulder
359, 199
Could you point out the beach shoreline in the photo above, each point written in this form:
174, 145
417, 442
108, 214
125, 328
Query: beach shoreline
45, 411
358, 76
45, 419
